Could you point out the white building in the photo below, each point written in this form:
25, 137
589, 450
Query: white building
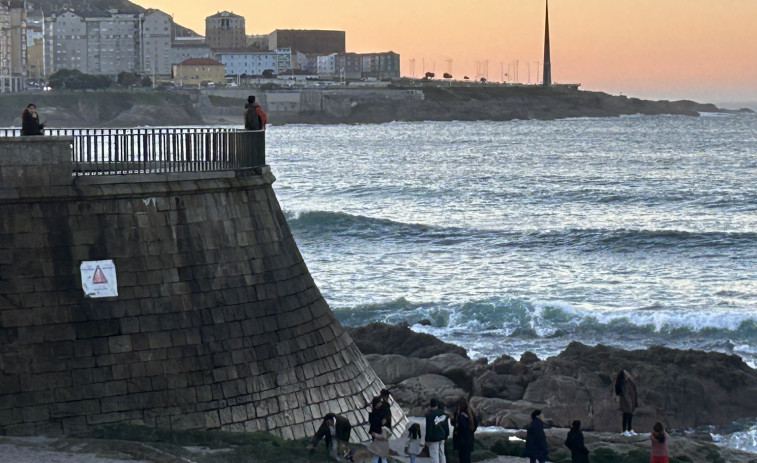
251, 63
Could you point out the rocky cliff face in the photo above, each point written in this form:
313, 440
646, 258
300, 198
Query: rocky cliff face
682, 389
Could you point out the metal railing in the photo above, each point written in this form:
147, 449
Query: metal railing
160, 150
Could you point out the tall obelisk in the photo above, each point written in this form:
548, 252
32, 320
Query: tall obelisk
547, 78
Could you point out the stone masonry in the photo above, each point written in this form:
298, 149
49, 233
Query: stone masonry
217, 323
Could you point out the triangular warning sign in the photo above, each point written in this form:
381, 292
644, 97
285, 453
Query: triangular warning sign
99, 276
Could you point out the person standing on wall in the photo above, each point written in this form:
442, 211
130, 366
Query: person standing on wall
251, 118
30, 124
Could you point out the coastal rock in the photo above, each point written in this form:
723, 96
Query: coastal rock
393, 368
683, 389
380, 338
414, 394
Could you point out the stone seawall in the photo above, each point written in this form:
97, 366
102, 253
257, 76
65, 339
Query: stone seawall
217, 323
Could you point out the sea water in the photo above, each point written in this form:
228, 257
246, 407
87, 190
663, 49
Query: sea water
520, 236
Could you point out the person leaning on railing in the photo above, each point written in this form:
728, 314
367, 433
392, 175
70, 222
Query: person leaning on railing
30, 124
254, 117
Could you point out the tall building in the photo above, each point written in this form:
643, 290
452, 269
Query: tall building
35, 44
157, 31
18, 61
112, 44
319, 42
69, 42
384, 65
547, 77
225, 31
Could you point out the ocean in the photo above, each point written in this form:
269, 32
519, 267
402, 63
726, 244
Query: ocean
506, 237
527, 235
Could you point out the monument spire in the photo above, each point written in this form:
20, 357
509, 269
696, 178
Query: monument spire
547, 77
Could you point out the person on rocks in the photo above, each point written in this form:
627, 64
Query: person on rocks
413, 443
575, 442
465, 423
30, 124
625, 391
336, 430
660, 439
376, 430
437, 431
536, 440
386, 408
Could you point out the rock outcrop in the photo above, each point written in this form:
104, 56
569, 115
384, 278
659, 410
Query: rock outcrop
683, 389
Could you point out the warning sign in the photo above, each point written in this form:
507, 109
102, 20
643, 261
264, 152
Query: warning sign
98, 278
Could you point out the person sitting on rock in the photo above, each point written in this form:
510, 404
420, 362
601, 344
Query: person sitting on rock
336, 430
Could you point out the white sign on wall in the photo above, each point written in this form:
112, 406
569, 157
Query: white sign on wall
98, 278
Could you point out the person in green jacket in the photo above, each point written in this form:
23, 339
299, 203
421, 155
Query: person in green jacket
437, 431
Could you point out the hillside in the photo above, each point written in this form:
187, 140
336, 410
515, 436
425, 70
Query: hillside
98, 8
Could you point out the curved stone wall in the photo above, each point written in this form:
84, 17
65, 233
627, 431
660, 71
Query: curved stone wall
217, 323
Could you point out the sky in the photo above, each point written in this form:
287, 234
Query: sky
704, 50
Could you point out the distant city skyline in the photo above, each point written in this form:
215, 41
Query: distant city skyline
695, 49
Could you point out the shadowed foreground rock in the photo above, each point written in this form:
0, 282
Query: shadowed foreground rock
683, 389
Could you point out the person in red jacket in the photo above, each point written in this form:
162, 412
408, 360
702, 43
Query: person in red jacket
261, 115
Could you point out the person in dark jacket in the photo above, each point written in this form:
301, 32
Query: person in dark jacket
386, 408
251, 118
625, 390
30, 124
536, 440
436, 423
575, 442
336, 431
376, 423
465, 423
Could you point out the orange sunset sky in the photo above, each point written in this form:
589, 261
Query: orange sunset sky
705, 50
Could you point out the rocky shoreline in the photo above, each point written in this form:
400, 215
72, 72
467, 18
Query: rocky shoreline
683, 389
686, 390
124, 108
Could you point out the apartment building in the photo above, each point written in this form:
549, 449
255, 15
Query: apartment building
68, 42
113, 44
317, 42
385, 65
157, 37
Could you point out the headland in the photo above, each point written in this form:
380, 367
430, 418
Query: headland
338, 105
